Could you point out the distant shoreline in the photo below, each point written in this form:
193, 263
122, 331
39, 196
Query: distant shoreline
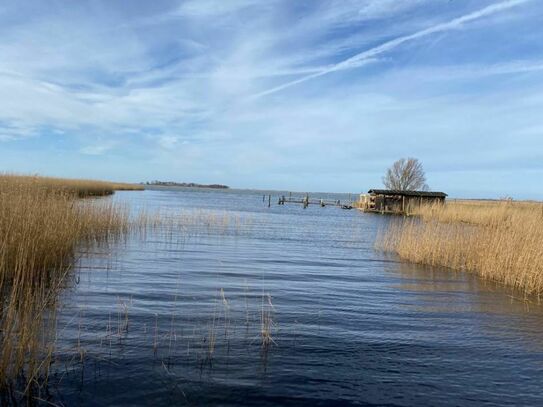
185, 184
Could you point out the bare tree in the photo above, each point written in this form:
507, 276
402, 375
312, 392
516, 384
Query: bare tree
406, 174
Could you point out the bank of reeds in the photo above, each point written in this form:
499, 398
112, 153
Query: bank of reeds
80, 187
500, 241
44, 226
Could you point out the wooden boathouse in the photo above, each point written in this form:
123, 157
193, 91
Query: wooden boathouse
397, 202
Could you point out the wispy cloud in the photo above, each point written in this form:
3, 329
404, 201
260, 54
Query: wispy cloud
359, 59
211, 8
99, 148
179, 87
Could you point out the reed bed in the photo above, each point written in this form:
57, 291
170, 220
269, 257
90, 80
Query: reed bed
44, 227
500, 241
80, 187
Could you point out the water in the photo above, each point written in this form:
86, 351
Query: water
176, 318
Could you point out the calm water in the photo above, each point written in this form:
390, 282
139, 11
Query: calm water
174, 317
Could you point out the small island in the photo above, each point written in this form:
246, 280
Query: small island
186, 184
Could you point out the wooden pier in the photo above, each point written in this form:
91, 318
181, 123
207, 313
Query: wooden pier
306, 201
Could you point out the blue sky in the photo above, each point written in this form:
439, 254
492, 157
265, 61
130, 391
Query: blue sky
302, 95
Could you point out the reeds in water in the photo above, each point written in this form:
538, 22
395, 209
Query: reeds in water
44, 227
80, 187
192, 222
500, 241
267, 323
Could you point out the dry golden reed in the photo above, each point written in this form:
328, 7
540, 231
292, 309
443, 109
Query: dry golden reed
500, 241
80, 187
43, 228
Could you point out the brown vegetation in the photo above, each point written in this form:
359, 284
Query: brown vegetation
500, 241
80, 187
43, 228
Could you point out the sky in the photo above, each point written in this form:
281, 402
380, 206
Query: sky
307, 95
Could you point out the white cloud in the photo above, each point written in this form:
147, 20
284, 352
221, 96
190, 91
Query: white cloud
99, 148
359, 59
168, 142
212, 8
180, 90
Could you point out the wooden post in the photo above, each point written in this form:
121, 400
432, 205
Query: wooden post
269, 201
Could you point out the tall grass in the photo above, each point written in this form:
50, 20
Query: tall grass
80, 187
500, 241
43, 228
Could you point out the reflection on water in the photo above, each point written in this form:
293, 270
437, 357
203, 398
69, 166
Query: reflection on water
285, 306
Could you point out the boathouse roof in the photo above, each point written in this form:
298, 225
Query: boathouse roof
423, 194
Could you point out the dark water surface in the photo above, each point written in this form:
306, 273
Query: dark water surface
174, 316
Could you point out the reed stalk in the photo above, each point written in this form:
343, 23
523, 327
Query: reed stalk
44, 228
500, 241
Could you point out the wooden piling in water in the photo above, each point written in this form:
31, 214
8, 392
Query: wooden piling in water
306, 201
